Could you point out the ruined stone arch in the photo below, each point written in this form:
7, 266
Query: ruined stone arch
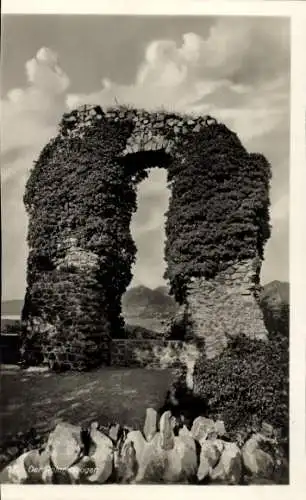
80, 198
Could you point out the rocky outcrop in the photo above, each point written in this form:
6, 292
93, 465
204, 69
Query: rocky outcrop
102, 457
209, 457
258, 462
64, 445
203, 428
168, 458
150, 426
229, 468
162, 452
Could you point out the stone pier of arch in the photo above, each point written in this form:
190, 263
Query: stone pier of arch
220, 306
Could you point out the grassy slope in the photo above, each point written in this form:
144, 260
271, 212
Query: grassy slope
106, 395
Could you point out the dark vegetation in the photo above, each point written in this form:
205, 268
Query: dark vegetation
78, 190
249, 383
219, 206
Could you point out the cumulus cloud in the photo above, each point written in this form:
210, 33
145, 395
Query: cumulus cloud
29, 119
30, 115
45, 74
147, 228
226, 73
239, 73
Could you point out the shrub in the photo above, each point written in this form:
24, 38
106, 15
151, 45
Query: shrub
248, 383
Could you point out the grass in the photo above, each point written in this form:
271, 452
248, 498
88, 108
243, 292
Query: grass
105, 395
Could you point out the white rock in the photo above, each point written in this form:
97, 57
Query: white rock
47, 475
176, 465
181, 464
150, 426
28, 467
128, 465
184, 431
210, 454
257, 461
220, 428
74, 473
16, 472
102, 457
166, 431
139, 442
202, 427
64, 445
168, 458
229, 467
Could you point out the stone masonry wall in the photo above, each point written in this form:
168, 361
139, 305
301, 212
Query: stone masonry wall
157, 354
53, 335
226, 306
151, 132
80, 198
144, 353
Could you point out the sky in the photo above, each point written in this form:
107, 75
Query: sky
234, 68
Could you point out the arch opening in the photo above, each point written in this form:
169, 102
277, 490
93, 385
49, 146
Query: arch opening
148, 228
149, 172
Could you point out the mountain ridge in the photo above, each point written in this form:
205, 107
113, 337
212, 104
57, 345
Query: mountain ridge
153, 307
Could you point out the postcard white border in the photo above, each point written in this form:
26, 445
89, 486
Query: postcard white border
158, 7
297, 12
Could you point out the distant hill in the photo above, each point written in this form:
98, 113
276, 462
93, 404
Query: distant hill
274, 301
150, 309
276, 292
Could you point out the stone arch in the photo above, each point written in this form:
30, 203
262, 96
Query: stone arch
80, 198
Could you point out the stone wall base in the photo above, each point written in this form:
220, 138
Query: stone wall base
226, 306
